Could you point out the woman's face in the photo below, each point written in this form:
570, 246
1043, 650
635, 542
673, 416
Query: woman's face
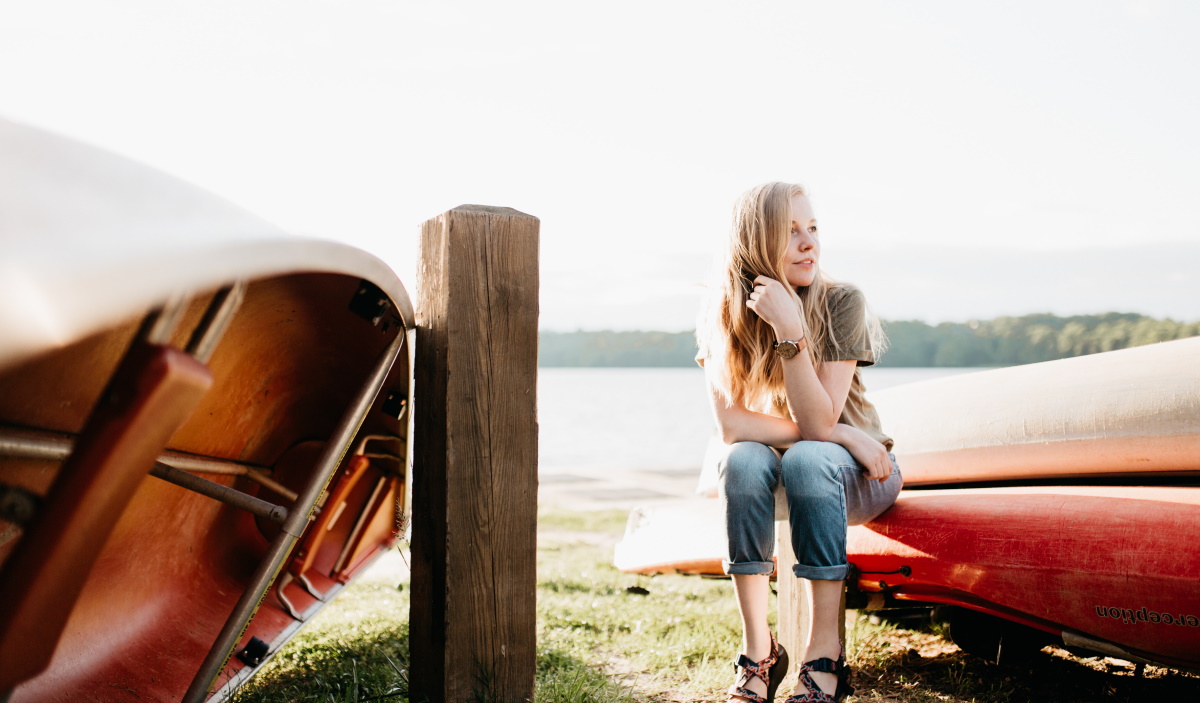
803, 250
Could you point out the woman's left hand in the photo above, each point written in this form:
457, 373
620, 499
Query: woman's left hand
866, 450
877, 465
771, 301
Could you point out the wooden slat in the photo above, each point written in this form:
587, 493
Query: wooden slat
151, 394
475, 457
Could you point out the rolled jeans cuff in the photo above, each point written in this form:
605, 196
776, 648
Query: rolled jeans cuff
821, 573
748, 567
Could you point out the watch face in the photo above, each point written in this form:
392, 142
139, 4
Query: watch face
786, 349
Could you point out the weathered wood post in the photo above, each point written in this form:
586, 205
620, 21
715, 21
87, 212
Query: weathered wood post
794, 605
793, 596
475, 458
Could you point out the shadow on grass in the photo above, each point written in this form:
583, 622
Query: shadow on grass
958, 676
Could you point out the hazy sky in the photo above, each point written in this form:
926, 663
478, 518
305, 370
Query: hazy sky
966, 159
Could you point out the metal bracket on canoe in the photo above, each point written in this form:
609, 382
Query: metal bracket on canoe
857, 599
369, 447
370, 302
394, 404
286, 578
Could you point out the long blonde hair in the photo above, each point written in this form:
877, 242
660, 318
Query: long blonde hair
734, 338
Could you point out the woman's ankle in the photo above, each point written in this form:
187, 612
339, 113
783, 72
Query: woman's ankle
757, 653
823, 647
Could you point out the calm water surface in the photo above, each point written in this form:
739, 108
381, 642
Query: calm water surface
643, 418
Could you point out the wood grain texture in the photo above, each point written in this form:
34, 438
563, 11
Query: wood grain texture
794, 599
475, 457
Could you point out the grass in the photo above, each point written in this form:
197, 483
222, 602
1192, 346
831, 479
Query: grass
608, 637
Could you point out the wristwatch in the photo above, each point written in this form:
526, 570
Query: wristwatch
787, 348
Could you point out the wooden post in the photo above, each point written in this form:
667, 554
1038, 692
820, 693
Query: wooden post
475, 458
794, 597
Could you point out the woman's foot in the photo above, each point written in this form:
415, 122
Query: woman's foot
757, 681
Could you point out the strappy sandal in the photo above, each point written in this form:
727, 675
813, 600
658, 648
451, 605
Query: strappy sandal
828, 666
770, 670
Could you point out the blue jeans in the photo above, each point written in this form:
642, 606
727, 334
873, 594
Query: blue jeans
826, 491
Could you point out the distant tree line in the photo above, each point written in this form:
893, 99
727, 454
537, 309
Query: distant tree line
1004, 341
1008, 341
609, 348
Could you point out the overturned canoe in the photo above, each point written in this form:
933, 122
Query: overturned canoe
202, 428
1131, 413
684, 539
1109, 569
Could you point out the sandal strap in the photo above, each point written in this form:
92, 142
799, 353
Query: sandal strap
749, 695
825, 665
757, 669
814, 695
754, 669
828, 666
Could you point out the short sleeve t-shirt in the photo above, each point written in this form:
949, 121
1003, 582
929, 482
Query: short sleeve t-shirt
848, 313
850, 340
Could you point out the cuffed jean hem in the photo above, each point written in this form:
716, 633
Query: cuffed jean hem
821, 573
748, 567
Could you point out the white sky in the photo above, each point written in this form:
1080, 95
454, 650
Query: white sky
966, 159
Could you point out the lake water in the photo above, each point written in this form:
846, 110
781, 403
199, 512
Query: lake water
593, 419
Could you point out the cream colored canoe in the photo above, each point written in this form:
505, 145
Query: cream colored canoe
1133, 413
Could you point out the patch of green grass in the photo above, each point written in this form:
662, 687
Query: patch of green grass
562, 678
659, 633
600, 521
356, 650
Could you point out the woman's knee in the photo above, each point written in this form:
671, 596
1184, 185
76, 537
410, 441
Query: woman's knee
812, 464
748, 466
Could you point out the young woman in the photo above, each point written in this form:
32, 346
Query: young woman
781, 348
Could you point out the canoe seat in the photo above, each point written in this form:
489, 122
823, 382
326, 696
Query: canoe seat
348, 526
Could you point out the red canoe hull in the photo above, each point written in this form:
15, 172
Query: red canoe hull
1102, 565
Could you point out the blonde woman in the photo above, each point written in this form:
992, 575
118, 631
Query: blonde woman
782, 347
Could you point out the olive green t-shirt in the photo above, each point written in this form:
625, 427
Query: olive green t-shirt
848, 310
850, 340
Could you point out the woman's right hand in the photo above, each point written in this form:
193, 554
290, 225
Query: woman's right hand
866, 450
770, 300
